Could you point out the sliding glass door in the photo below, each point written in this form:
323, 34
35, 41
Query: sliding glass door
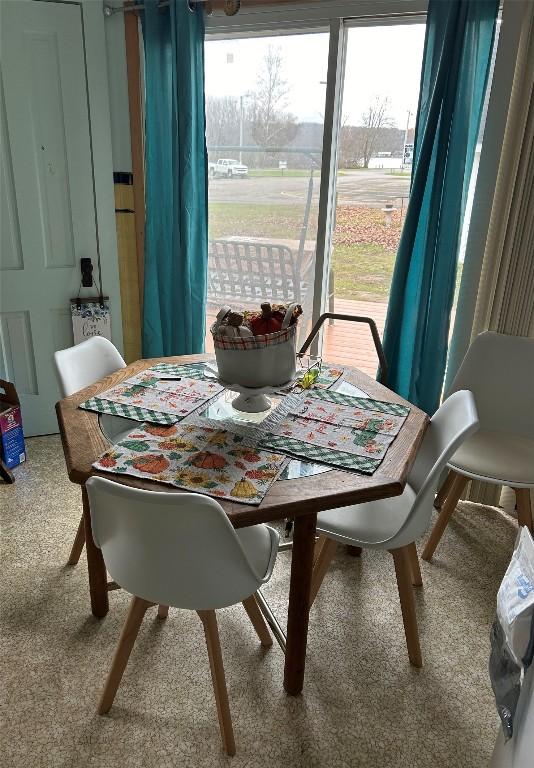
265, 100
375, 146
310, 142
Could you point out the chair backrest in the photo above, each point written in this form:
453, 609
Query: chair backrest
499, 371
178, 549
79, 366
248, 272
452, 423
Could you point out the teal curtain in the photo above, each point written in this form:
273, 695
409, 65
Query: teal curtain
456, 61
176, 239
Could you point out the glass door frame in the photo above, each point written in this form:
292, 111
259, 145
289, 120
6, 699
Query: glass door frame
336, 16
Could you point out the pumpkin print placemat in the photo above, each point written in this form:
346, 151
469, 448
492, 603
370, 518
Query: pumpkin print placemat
336, 429
211, 461
145, 398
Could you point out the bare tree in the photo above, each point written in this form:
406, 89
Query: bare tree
271, 123
374, 119
222, 121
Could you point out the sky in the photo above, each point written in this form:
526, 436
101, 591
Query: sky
381, 61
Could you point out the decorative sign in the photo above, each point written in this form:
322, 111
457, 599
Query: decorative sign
90, 318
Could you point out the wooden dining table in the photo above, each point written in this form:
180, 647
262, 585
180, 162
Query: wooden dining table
299, 499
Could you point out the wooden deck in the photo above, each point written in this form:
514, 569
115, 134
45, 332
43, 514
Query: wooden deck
345, 343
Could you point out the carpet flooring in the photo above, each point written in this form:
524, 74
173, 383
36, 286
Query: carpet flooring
362, 705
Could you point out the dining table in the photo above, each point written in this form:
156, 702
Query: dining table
297, 498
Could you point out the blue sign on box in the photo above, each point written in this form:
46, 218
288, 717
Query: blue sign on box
12, 449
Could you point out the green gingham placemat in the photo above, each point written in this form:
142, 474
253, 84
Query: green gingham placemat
396, 409
321, 453
317, 453
191, 370
101, 405
128, 411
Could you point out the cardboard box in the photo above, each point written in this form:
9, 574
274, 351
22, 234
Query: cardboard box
12, 449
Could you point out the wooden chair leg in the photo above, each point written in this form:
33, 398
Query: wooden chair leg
457, 486
444, 490
524, 510
417, 579
258, 622
127, 639
401, 558
209, 620
163, 611
77, 546
324, 558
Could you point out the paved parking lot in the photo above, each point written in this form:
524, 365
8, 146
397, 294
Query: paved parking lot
371, 188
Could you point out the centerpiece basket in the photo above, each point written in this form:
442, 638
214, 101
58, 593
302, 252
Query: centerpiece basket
248, 361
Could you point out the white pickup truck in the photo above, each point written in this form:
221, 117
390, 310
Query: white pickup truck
228, 168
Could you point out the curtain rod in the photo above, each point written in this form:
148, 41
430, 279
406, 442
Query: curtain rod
111, 10
230, 9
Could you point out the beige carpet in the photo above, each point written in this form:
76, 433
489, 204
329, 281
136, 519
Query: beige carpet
363, 705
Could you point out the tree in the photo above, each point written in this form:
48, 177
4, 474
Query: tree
374, 119
222, 121
271, 123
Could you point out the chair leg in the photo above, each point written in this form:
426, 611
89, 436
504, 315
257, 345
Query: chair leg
417, 579
401, 558
444, 490
163, 611
258, 622
209, 620
524, 510
127, 639
77, 546
324, 558
457, 486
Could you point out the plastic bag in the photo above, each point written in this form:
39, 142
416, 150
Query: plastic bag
512, 633
515, 600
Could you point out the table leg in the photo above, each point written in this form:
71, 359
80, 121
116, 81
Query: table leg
98, 578
299, 602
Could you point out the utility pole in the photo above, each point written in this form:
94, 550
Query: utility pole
406, 137
241, 121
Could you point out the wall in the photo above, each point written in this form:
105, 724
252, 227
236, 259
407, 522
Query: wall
127, 235
118, 90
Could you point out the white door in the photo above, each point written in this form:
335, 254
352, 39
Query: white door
47, 205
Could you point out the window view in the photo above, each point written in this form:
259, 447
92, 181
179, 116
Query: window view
380, 98
265, 101
264, 123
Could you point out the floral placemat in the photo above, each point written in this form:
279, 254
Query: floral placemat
211, 461
144, 397
335, 429
188, 387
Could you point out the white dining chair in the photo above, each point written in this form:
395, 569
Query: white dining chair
499, 370
77, 367
395, 523
179, 550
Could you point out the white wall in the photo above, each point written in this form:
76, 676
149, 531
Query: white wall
118, 90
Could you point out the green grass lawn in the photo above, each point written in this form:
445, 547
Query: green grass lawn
361, 270
259, 220
291, 173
